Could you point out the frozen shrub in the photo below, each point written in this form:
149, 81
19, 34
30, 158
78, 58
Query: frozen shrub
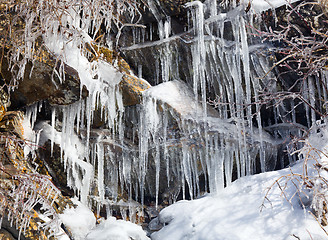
23, 190
301, 45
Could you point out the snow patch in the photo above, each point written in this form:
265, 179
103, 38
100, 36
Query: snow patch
112, 229
80, 220
234, 213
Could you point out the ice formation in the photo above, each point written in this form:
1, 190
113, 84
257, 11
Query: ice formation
178, 133
225, 59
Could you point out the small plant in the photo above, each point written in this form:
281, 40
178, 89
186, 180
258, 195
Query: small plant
23, 191
309, 187
301, 47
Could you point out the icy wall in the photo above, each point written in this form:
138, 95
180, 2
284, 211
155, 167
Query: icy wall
174, 140
217, 54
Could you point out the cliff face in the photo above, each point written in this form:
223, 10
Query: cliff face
78, 118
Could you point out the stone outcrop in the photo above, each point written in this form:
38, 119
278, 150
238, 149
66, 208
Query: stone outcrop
132, 88
130, 85
44, 77
42, 81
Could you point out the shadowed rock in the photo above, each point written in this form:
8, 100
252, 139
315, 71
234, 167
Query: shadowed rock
42, 81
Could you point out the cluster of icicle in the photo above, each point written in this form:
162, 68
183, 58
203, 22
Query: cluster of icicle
65, 34
225, 66
238, 73
212, 146
71, 19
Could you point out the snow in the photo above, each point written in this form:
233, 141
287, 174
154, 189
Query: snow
246, 210
112, 229
234, 213
79, 220
259, 6
176, 94
82, 223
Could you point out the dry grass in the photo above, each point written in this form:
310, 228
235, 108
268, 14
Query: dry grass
309, 188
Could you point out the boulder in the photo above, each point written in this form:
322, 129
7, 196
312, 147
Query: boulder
130, 85
42, 82
132, 88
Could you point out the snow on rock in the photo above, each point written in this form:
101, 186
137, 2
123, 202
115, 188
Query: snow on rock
176, 94
234, 213
79, 220
259, 6
82, 223
112, 229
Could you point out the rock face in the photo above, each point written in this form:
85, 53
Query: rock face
160, 140
42, 82
130, 85
132, 88
43, 77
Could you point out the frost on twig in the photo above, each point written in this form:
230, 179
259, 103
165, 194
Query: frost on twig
24, 193
299, 47
308, 187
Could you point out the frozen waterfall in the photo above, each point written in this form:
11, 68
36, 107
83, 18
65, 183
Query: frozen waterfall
174, 140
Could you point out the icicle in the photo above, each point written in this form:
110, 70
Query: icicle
53, 124
311, 90
100, 158
157, 167
31, 114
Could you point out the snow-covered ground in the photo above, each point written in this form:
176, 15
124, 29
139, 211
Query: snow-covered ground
233, 213
82, 223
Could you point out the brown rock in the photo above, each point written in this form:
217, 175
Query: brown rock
42, 83
12, 122
132, 88
5, 235
109, 56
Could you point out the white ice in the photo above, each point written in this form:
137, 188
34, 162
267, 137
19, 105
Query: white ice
259, 6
